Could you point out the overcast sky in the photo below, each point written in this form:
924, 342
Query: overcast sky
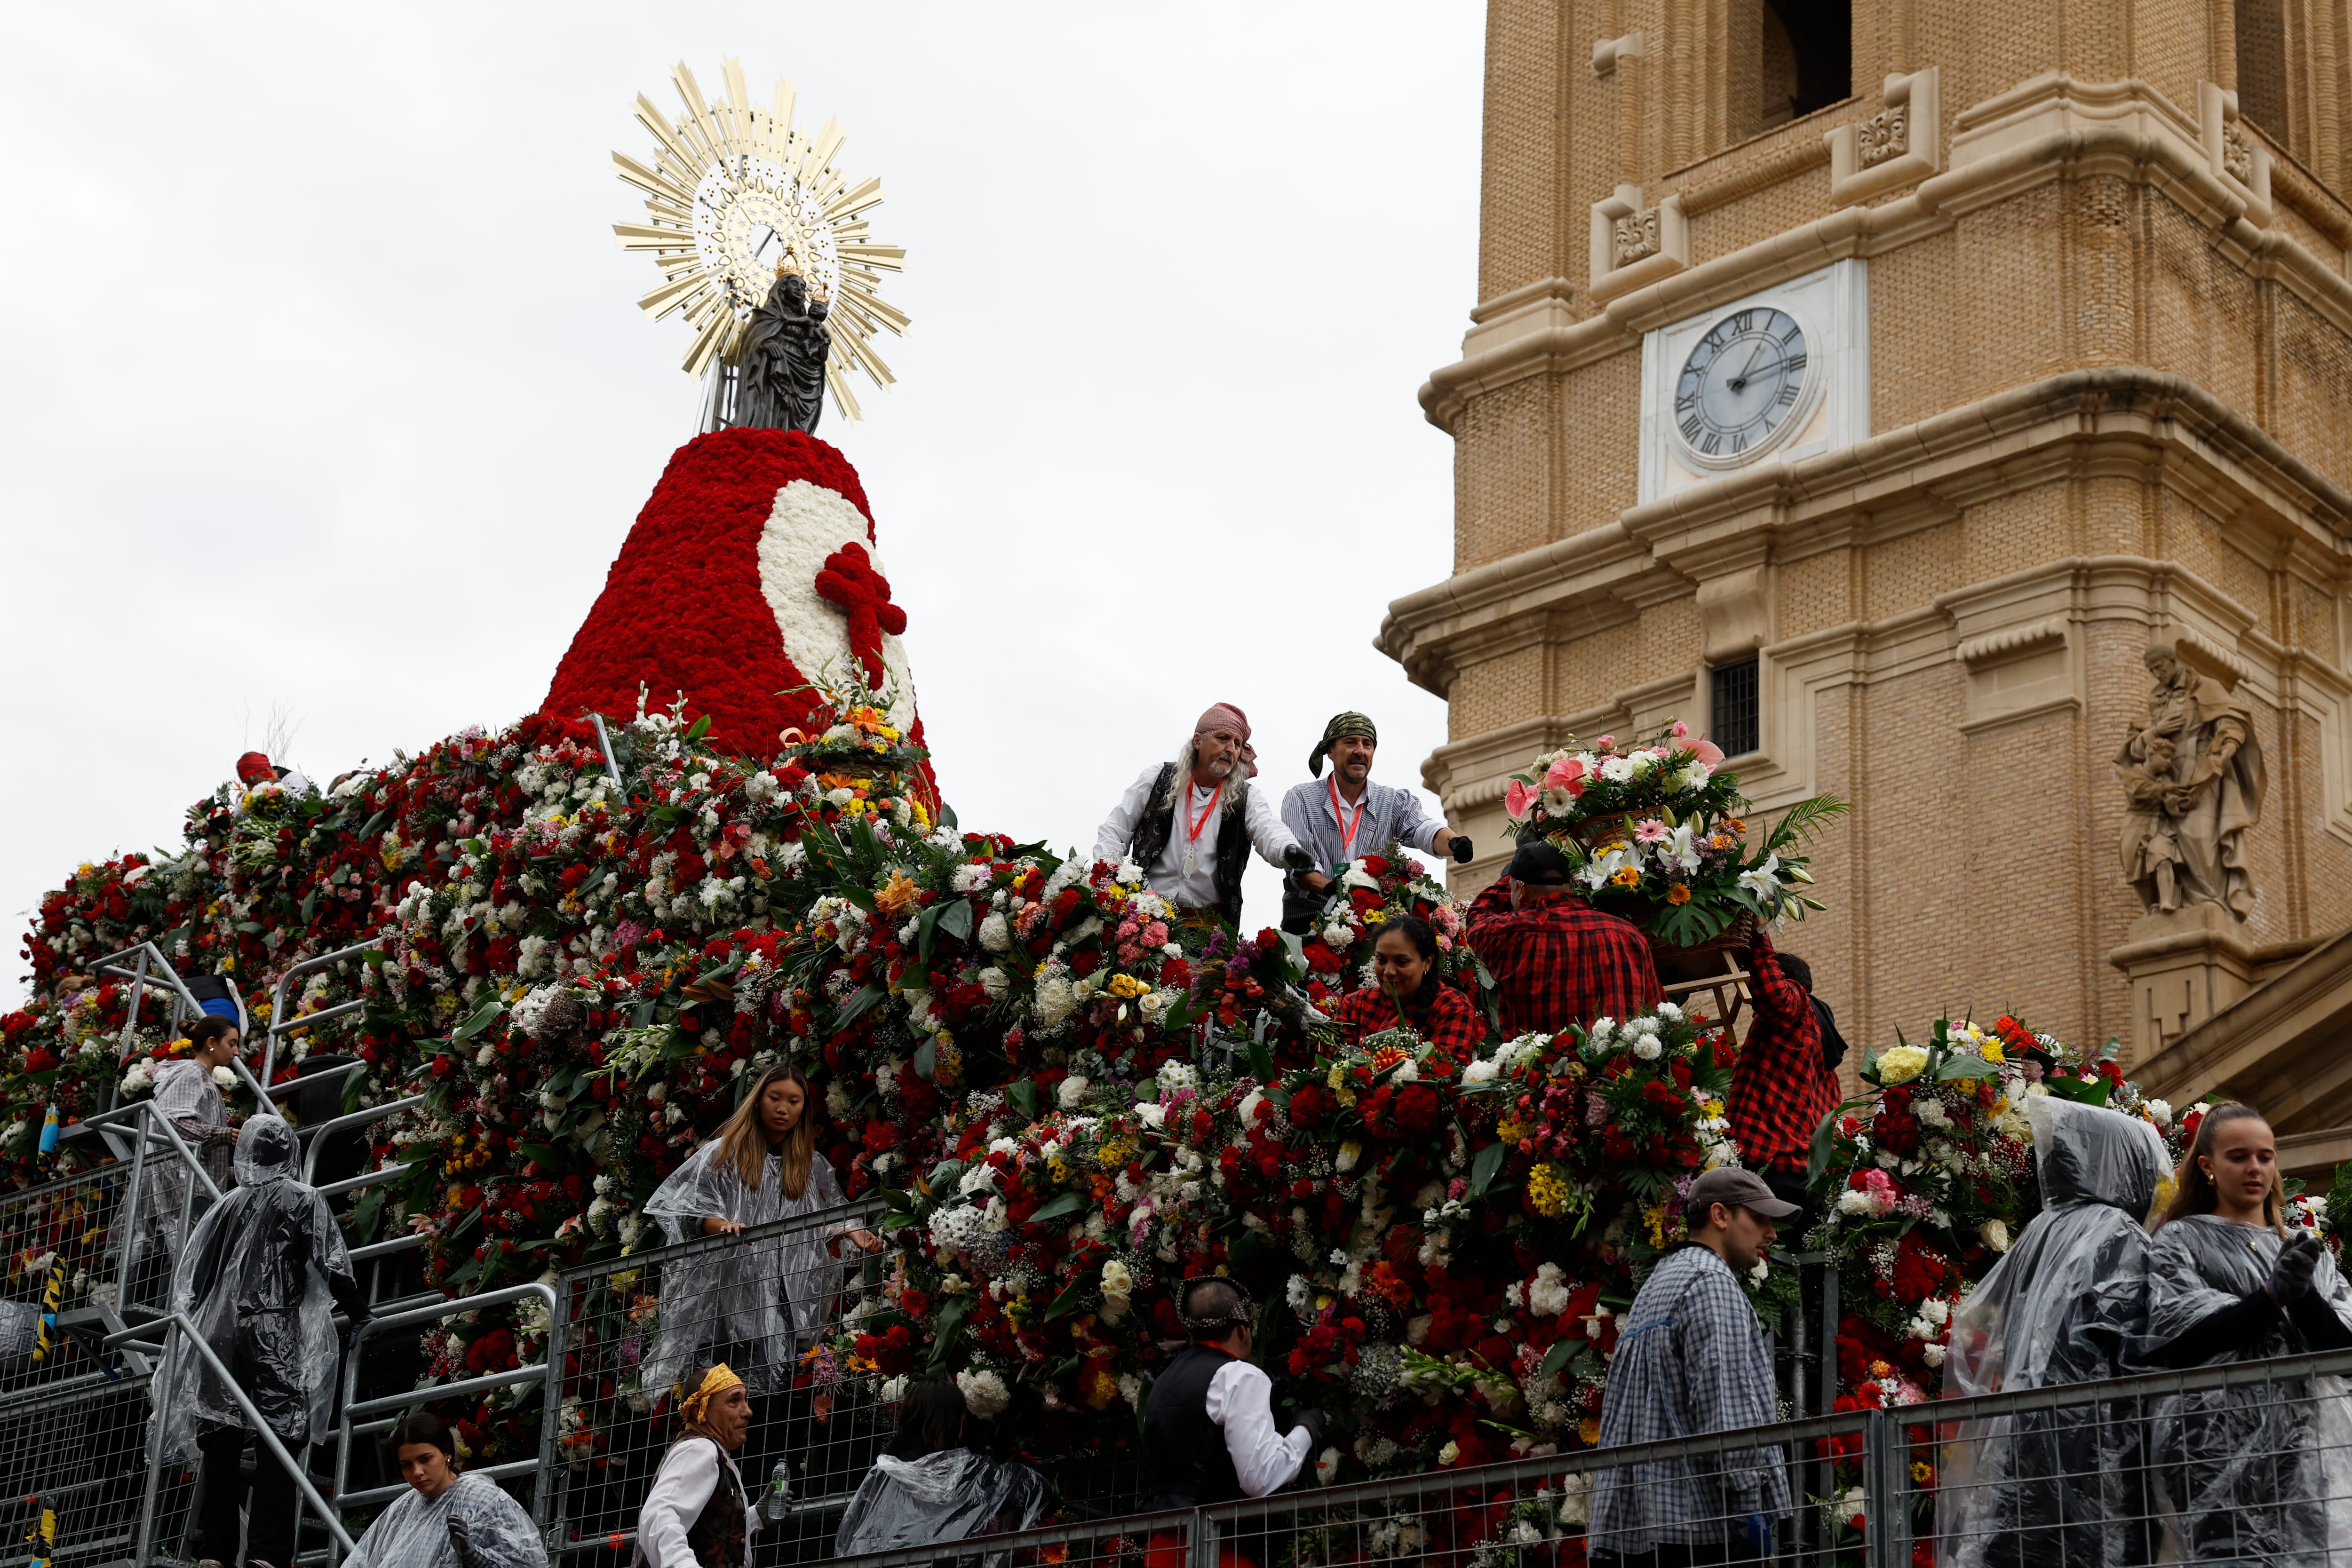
326, 392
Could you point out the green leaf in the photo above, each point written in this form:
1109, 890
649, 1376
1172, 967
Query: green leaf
1483, 1169
947, 816
944, 1174
955, 919
944, 1325
1966, 1065
927, 929
310, 906
1564, 1354
1072, 1294
1261, 1060
2067, 1088
1148, 1091
1023, 1092
857, 1003
545, 1155
373, 823
927, 1058
479, 1021
643, 1013
1068, 1203
699, 728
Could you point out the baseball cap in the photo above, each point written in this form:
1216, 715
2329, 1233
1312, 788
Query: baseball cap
1741, 1189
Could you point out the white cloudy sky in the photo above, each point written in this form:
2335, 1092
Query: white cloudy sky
325, 394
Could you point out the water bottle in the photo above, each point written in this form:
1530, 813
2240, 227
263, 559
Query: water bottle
49, 1132
777, 1500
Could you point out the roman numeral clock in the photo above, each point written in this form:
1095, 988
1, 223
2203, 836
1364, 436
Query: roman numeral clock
1782, 372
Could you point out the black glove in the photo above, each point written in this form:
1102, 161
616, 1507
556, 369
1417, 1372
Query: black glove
461, 1542
2290, 1276
1459, 848
1297, 858
1317, 1425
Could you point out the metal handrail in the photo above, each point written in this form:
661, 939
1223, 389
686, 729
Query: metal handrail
159, 1123
354, 1408
366, 1178
351, 1118
280, 1024
187, 1334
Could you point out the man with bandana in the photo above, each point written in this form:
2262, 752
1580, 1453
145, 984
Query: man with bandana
1347, 817
1190, 823
697, 1513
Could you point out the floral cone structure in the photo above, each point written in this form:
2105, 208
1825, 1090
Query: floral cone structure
751, 575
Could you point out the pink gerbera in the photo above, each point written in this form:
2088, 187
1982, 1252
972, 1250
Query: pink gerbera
1649, 831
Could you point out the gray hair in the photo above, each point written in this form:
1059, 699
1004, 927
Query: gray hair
1236, 783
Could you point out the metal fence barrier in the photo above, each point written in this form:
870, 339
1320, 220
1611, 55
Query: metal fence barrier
2241, 1462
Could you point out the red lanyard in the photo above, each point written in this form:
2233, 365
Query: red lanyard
1193, 828
1346, 828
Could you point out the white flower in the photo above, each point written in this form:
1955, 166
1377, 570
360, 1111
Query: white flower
1617, 770
1671, 1013
953, 1229
1176, 1077
1129, 875
1547, 1292
1996, 1235
972, 878
1327, 1466
1695, 774
228, 1080
1933, 1354
985, 1394
996, 933
1480, 1071
980, 1177
1451, 1452
1602, 1028
1854, 1201
1646, 1047
1151, 1115
2159, 1111
1072, 1092
996, 982
1764, 881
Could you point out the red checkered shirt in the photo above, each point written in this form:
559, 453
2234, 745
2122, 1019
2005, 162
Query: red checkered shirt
1561, 962
1781, 1087
1440, 1014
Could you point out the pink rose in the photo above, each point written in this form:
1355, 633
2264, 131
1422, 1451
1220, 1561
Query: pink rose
1518, 800
1707, 751
1604, 743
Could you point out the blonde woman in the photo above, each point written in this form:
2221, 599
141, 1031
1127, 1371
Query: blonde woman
753, 1304
2256, 1471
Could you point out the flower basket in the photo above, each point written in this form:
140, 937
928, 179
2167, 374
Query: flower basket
1598, 832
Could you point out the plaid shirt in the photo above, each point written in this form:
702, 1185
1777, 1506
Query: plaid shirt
1440, 1014
1691, 1359
1781, 1087
1561, 962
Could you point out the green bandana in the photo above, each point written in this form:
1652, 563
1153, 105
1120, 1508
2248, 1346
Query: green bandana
1341, 726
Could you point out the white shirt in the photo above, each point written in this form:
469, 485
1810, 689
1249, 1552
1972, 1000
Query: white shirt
1241, 1400
683, 1486
1196, 888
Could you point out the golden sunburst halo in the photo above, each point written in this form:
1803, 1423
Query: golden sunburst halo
731, 188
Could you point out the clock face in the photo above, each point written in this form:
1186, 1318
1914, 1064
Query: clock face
1740, 386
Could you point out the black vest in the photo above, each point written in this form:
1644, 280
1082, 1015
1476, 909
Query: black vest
1158, 825
1185, 1461
717, 1537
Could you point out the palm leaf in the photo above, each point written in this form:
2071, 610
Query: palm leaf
1805, 819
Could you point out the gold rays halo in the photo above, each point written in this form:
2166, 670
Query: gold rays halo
732, 185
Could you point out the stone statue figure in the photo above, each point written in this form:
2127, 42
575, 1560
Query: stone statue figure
780, 373
2193, 780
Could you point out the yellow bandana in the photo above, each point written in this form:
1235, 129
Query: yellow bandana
715, 1382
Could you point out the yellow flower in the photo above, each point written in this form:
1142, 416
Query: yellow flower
1678, 894
1629, 877
1901, 1063
1587, 1431
1547, 1194
1922, 1472
1127, 988
1509, 1132
1374, 916
1992, 1051
1712, 1107
1059, 1171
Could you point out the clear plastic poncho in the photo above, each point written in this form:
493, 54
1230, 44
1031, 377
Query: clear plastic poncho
952, 1495
259, 1280
187, 1096
414, 1532
2260, 1471
2063, 1305
749, 1303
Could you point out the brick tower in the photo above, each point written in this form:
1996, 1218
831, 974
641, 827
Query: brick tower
1876, 383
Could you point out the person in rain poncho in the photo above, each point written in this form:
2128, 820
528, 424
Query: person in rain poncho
929, 1486
755, 1305
187, 1097
2256, 1472
696, 1515
2058, 1488
261, 1277
446, 1519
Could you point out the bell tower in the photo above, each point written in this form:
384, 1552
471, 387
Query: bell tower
1879, 385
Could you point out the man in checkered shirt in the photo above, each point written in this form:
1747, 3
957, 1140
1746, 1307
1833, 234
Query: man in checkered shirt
1555, 959
1782, 1085
1692, 1359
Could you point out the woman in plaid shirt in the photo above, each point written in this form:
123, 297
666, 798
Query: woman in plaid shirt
1408, 994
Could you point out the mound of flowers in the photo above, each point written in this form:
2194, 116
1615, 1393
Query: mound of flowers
1065, 1109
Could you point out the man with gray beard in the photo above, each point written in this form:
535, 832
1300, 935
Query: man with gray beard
1190, 823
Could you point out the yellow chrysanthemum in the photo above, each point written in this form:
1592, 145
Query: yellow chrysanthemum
1127, 988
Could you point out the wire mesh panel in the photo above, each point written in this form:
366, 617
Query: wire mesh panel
783, 1306
74, 1458
63, 1259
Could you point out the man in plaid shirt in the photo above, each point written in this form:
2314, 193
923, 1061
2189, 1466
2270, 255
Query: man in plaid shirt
1781, 1087
1555, 959
1692, 1359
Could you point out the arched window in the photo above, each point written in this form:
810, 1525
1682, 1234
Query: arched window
1804, 56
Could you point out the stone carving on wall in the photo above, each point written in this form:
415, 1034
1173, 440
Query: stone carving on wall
2237, 155
1886, 134
2193, 781
1637, 236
